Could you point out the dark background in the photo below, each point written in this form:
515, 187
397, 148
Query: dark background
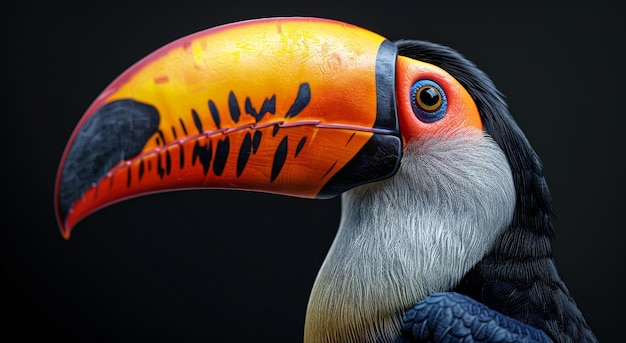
201, 265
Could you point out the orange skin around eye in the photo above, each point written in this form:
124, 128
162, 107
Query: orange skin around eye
461, 112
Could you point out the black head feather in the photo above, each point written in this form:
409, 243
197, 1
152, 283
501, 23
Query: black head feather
534, 208
518, 277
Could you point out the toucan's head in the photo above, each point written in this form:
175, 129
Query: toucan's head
298, 106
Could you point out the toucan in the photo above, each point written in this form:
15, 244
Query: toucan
446, 219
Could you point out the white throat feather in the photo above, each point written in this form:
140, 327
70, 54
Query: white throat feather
411, 235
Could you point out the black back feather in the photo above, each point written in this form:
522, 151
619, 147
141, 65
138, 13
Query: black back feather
518, 277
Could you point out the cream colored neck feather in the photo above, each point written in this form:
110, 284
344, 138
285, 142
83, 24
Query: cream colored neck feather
409, 236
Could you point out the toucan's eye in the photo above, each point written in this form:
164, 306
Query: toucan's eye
428, 101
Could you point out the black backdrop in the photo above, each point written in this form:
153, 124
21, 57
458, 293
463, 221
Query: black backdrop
209, 265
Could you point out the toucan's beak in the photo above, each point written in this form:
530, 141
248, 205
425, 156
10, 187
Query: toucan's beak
295, 106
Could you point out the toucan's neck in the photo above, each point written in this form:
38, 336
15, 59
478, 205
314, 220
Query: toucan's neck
414, 234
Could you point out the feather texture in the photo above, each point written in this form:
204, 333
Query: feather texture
453, 317
451, 199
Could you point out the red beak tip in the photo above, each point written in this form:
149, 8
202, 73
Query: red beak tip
65, 230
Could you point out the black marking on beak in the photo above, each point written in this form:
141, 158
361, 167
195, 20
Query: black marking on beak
204, 153
221, 156
182, 126
256, 141
279, 159
233, 106
268, 106
116, 131
214, 113
300, 146
197, 121
302, 100
244, 153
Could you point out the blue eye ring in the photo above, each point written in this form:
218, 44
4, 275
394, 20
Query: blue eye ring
428, 101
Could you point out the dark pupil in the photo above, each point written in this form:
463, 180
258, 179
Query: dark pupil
429, 96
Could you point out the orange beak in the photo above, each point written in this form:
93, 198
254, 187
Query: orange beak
296, 106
